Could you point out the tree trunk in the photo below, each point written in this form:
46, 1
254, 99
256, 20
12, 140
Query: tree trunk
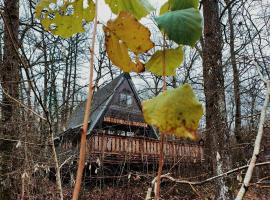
9, 75
236, 81
217, 134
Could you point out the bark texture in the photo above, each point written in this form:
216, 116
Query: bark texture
216, 123
9, 76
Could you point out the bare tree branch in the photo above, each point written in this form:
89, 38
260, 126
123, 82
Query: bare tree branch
257, 146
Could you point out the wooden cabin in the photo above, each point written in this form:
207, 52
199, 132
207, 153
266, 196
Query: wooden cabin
118, 132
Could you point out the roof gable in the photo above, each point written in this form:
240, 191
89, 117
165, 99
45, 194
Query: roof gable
102, 100
119, 110
99, 102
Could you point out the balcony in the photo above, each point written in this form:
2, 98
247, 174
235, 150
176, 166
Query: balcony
116, 149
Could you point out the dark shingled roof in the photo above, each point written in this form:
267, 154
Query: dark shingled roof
100, 100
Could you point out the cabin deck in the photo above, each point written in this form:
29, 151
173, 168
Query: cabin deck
115, 149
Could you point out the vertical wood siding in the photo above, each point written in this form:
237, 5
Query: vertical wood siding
135, 147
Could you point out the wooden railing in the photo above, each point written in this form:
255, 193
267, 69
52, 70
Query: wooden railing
138, 148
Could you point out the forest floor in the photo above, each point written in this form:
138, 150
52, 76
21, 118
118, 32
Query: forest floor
169, 191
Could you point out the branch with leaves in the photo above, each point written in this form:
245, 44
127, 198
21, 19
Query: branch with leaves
173, 112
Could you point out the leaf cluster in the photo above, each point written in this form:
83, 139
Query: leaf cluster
173, 112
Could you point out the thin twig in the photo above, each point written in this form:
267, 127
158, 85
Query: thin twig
259, 72
25, 66
262, 179
24, 106
87, 114
69, 158
161, 153
35, 90
160, 166
29, 143
192, 183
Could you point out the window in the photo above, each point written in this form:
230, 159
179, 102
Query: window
125, 99
129, 100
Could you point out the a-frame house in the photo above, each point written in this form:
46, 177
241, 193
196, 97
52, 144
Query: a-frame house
117, 130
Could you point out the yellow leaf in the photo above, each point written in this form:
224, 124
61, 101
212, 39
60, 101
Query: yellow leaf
131, 32
43, 5
173, 59
65, 26
118, 53
67, 19
175, 111
126, 34
165, 7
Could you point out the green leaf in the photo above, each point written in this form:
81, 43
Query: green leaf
184, 4
182, 26
139, 8
173, 5
173, 59
125, 34
175, 111
67, 19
